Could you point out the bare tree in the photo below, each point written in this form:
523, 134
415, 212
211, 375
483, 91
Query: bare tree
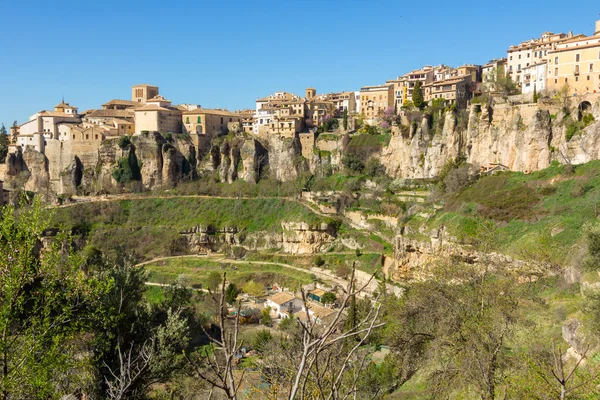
217, 362
320, 360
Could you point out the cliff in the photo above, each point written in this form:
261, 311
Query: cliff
524, 138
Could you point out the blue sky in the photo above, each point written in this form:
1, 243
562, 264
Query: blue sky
228, 53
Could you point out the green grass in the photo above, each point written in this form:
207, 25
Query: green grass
183, 213
535, 216
195, 271
366, 140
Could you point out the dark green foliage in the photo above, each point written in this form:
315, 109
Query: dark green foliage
3, 144
353, 163
345, 119
124, 142
374, 167
417, 96
127, 169
328, 298
231, 293
319, 261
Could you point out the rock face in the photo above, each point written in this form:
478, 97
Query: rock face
524, 138
296, 238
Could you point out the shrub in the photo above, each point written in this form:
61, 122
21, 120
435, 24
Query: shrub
353, 163
374, 167
587, 119
319, 261
124, 142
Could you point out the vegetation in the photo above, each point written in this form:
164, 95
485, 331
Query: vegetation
417, 96
3, 144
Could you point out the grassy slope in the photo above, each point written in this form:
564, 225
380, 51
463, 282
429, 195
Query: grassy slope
539, 215
195, 271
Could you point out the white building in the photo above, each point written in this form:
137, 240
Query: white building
534, 78
283, 304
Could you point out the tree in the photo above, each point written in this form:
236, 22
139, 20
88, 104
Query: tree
44, 305
417, 96
4, 142
253, 288
213, 280
328, 298
353, 162
231, 293
462, 328
345, 119
265, 316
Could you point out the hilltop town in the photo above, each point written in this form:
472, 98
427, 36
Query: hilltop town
532, 77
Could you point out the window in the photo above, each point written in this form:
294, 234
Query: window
87, 137
555, 71
221, 120
576, 79
73, 137
588, 78
566, 79
96, 137
519, 68
187, 120
519, 56
577, 69
199, 119
577, 56
511, 57
555, 60
556, 81
591, 67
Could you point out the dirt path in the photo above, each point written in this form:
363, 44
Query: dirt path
109, 198
362, 278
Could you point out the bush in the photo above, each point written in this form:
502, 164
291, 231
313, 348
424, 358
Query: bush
127, 169
374, 167
124, 142
319, 261
587, 119
353, 162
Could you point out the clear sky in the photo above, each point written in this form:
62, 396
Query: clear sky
228, 53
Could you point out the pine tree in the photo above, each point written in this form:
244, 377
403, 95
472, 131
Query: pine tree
345, 122
417, 96
3, 144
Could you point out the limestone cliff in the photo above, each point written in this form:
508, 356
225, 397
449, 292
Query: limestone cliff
523, 137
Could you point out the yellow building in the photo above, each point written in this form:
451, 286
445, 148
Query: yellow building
211, 122
375, 99
576, 64
157, 116
456, 90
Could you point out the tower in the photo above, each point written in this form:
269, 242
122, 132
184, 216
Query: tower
310, 93
141, 93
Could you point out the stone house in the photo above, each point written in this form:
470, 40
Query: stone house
158, 116
211, 122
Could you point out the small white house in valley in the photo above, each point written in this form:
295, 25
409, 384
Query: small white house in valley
283, 304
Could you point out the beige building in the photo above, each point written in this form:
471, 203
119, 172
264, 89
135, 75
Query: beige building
532, 52
201, 121
158, 116
143, 93
374, 100
490, 72
576, 63
456, 90
278, 108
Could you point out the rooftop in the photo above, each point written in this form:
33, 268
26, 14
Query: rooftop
281, 298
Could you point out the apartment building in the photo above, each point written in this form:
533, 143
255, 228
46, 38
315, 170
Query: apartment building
576, 63
533, 52
455, 90
534, 78
279, 106
375, 99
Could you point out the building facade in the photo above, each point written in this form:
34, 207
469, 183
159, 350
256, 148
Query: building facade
532, 52
158, 116
210, 122
534, 78
374, 100
575, 64
143, 93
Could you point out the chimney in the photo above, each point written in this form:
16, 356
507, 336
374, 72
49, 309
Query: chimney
597, 32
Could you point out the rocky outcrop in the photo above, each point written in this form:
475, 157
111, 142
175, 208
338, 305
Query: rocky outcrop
302, 238
524, 138
296, 238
